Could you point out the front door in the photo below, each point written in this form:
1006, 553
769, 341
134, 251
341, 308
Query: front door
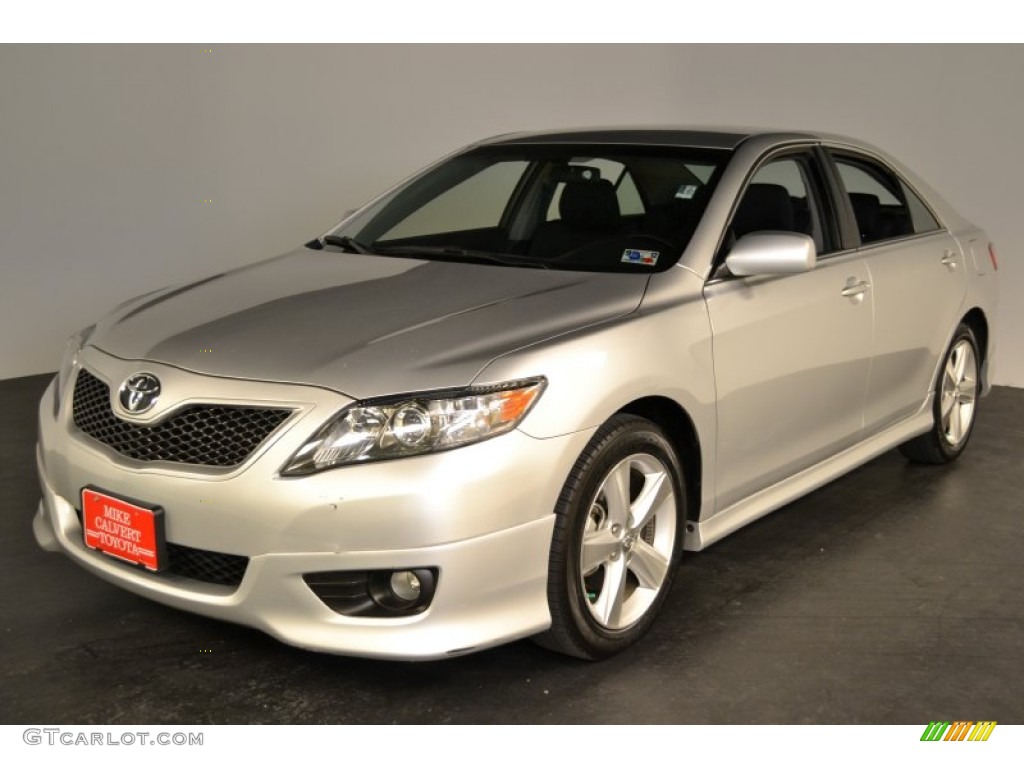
792, 352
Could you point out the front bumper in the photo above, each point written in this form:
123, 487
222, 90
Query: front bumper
482, 515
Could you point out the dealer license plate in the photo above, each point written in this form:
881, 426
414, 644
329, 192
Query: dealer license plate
123, 529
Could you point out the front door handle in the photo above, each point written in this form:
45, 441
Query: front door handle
854, 289
950, 260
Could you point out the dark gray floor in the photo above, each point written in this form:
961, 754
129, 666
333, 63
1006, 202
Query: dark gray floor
890, 596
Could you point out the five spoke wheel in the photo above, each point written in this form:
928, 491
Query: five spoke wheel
617, 539
628, 539
955, 404
958, 393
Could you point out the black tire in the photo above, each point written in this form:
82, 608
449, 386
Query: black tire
954, 408
629, 454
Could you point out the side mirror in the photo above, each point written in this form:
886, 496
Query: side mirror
771, 253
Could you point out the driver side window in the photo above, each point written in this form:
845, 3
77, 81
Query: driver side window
781, 197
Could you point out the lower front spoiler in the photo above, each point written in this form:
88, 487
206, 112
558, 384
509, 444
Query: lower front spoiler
491, 590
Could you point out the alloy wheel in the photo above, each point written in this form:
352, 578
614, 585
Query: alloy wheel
628, 538
959, 393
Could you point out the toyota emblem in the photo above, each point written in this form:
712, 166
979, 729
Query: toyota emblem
139, 392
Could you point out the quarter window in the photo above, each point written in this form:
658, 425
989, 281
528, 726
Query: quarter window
920, 217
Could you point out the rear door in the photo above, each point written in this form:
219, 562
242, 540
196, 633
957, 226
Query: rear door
791, 352
918, 278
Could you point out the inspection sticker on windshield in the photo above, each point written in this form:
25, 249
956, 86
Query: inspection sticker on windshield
634, 256
686, 191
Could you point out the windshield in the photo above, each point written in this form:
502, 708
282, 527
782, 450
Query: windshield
575, 207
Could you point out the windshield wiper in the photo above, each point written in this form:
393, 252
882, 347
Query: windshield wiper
351, 245
506, 260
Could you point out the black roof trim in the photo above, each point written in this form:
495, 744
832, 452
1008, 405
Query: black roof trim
673, 137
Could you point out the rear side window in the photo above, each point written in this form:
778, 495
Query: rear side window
884, 206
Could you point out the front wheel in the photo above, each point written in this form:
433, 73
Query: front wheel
617, 540
955, 404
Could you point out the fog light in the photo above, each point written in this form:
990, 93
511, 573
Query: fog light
405, 586
375, 594
406, 591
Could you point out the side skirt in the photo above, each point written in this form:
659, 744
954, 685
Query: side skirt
771, 498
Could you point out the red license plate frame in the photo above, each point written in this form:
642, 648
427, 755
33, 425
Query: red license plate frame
129, 530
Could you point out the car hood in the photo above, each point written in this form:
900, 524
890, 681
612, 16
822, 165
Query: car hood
361, 325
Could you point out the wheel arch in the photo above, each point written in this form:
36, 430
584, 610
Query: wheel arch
682, 434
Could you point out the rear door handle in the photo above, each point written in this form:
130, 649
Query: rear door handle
950, 260
855, 289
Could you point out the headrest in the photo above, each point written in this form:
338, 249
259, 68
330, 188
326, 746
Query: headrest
764, 207
589, 205
868, 211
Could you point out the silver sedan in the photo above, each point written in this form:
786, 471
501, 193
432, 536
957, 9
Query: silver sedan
500, 400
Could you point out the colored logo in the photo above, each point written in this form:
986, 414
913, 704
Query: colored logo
139, 393
960, 730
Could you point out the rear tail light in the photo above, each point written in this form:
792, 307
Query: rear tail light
992, 255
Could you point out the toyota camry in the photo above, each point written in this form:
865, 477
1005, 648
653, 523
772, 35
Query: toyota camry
500, 400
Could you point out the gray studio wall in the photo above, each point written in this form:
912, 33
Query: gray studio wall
110, 154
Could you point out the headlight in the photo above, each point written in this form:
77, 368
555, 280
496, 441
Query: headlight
415, 424
74, 345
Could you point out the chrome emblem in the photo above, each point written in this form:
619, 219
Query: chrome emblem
139, 393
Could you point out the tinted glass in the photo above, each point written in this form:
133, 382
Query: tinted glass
782, 196
876, 197
921, 218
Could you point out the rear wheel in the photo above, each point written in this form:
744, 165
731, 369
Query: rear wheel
955, 404
617, 540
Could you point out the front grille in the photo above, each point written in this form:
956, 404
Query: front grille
203, 565
208, 435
